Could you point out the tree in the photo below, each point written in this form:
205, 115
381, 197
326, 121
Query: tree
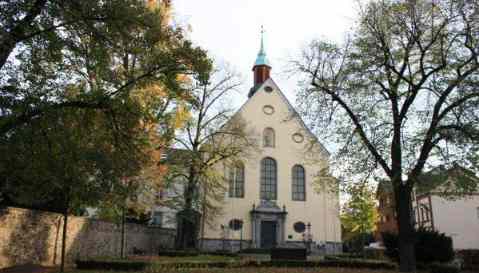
212, 135
75, 157
399, 96
83, 86
359, 214
108, 47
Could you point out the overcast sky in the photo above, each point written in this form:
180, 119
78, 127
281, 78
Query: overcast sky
230, 31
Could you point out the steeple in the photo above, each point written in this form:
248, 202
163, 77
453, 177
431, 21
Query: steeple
261, 67
261, 59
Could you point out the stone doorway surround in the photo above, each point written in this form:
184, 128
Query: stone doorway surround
267, 210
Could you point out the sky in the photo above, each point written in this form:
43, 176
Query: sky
230, 31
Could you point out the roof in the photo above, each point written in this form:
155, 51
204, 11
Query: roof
454, 179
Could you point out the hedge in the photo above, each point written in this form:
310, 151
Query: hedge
470, 258
178, 253
430, 246
255, 251
112, 265
442, 268
134, 265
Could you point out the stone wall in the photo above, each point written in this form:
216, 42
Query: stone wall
29, 236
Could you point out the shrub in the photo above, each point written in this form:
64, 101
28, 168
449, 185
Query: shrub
117, 265
356, 243
443, 268
470, 258
345, 263
256, 251
178, 253
373, 254
390, 241
431, 246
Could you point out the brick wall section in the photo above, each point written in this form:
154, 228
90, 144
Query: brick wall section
28, 236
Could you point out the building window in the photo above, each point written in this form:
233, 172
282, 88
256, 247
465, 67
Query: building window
268, 137
299, 185
235, 224
157, 218
236, 181
268, 179
299, 227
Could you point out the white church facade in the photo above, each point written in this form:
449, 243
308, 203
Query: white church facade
275, 196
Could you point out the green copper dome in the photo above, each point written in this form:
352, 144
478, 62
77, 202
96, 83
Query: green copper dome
261, 59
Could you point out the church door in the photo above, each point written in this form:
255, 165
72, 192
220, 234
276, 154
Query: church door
268, 234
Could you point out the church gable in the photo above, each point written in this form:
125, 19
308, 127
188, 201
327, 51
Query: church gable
269, 109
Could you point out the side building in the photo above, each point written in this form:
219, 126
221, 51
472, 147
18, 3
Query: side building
438, 204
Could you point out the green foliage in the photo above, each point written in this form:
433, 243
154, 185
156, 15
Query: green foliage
443, 268
357, 242
359, 215
104, 49
431, 246
75, 156
115, 265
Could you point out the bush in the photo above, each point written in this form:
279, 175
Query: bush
357, 243
443, 268
431, 246
256, 251
178, 253
373, 254
346, 263
119, 265
391, 242
470, 258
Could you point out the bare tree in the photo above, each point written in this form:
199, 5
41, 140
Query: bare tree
212, 135
400, 96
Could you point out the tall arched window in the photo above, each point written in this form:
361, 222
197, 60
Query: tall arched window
236, 180
299, 183
268, 137
268, 179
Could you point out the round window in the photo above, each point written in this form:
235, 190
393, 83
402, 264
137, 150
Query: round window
298, 138
299, 227
268, 89
236, 224
268, 109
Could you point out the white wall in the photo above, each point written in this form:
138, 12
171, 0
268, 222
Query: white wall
458, 219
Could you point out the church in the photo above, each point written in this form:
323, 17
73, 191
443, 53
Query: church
274, 197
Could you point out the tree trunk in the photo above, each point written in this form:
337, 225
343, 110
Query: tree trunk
122, 247
186, 222
407, 256
64, 239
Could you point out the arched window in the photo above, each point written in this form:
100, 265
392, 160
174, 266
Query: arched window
268, 179
236, 180
299, 183
268, 137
